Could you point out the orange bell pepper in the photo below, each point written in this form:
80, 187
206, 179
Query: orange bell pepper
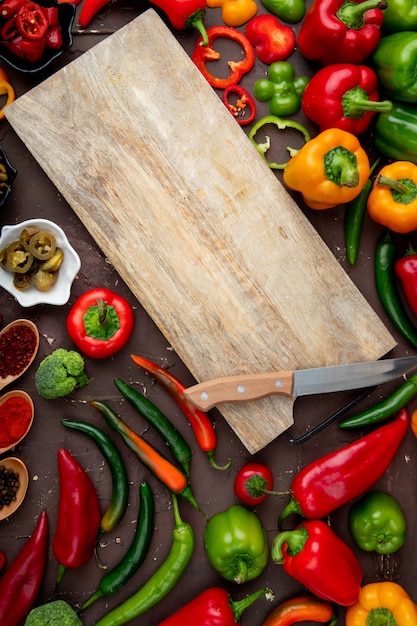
5, 90
384, 602
235, 12
328, 170
393, 198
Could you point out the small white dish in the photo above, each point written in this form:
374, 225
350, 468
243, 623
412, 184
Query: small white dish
59, 294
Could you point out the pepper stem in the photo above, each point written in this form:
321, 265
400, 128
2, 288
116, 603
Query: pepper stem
352, 14
295, 540
292, 507
241, 575
60, 574
239, 606
98, 594
355, 103
196, 21
395, 185
213, 463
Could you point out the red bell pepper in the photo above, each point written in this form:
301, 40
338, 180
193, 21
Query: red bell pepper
213, 607
338, 477
315, 556
243, 104
272, 40
21, 581
343, 95
203, 54
100, 323
341, 31
79, 516
406, 271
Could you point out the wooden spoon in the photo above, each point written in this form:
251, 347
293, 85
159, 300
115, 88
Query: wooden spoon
21, 322
21, 394
20, 468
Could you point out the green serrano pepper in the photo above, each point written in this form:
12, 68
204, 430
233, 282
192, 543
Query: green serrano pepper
162, 581
173, 438
120, 487
387, 407
387, 289
134, 557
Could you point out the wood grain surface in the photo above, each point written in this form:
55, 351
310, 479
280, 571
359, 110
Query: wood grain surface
201, 230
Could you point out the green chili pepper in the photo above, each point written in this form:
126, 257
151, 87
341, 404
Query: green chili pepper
120, 485
387, 288
377, 523
387, 407
282, 89
281, 124
134, 557
173, 438
355, 214
162, 581
291, 11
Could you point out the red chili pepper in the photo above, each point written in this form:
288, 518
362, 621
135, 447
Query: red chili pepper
338, 477
21, 581
315, 556
31, 21
343, 95
406, 270
203, 54
54, 38
9, 8
213, 607
253, 483
341, 31
199, 421
52, 15
273, 41
79, 516
301, 609
2, 560
244, 102
31, 49
100, 323
9, 30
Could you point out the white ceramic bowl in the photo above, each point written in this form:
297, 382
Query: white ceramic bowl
59, 294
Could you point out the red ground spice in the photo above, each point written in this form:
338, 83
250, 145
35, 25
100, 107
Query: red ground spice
17, 346
15, 416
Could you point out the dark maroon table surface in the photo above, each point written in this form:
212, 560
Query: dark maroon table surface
34, 196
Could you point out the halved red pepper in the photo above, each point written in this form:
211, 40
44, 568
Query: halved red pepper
31, 21
100, 323
244, 103
205, 53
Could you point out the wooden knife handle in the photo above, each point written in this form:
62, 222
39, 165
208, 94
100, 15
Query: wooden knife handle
240, 389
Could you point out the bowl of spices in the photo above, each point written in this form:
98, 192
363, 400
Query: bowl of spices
19, 343
37, 263
14, 481
16, 417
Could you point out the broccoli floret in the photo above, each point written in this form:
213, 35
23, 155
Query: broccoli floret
56, 613
60, 373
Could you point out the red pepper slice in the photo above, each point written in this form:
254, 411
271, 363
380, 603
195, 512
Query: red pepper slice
31, 21
205, 53
31, 49
2, 560
54, 38
243, 104
9, 30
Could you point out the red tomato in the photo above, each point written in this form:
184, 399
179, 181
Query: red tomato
253, 483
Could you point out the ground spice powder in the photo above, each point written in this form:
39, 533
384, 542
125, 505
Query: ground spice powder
17, 346
15, 416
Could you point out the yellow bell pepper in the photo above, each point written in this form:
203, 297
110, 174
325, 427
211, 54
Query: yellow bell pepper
393, 198
5, 90
235, 12
382, 603
328, 170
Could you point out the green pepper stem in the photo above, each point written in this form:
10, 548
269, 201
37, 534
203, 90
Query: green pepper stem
196, 21
395, 185
341, 167
213, 463
292, 507
241, 575
352, 14
98, 594
295, 540
355, 103
60, 574
239, 606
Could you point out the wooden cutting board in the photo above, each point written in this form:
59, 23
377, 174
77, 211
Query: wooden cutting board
192, 218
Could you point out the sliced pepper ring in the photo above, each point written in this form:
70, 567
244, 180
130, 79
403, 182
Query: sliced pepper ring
205, 53
263, 148
6, 90
244, 109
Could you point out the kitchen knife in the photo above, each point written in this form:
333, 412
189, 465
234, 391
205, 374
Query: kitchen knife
242, 388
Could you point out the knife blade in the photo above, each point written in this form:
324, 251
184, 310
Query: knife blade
245, 387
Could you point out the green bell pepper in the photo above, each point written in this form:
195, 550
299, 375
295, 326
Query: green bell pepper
291, 11
395, 133
282, 90
236, 544
377, 523
394, 62
400, 15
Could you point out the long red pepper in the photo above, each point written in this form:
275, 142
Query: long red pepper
199, 421
213, 607
301, 609
22, 580
406, 270
79, 516
338, 477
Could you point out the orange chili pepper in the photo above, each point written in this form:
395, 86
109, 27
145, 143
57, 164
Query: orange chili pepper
413, 422
6, 90
301, 609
